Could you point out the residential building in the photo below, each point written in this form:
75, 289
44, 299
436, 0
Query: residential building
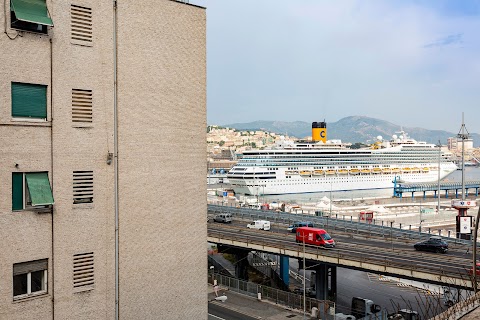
102, 146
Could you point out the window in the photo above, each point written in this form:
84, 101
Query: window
30, 15
30, 278
30, 190
29, 100
82, 187
83, 268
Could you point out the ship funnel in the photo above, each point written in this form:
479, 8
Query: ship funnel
319, 131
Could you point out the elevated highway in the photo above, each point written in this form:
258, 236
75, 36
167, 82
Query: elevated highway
378, 249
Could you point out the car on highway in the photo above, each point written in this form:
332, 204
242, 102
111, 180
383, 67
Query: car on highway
433, 244
259, 224
298, 224
223, 217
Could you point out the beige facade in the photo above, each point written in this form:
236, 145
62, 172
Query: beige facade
161, 106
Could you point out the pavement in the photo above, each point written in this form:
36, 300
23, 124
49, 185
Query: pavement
252, 307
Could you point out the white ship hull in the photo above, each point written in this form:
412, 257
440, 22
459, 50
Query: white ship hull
311, 166
334, 183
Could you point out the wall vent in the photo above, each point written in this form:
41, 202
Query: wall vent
81, 24
82, 187
82, 106
83, 270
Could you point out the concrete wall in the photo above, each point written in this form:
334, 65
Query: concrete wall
162, 138
162, 121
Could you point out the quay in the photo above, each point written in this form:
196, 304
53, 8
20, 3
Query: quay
400, 188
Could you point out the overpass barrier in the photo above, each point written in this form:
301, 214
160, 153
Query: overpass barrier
376, 228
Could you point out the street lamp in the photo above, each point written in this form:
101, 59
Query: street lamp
438, 194
213, 274
474, 270
304, 279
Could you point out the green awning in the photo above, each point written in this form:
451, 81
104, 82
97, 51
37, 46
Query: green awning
33, 11
39, 188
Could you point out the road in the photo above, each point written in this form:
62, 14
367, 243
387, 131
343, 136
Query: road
217, 312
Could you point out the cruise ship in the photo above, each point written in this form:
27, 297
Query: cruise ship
319, 165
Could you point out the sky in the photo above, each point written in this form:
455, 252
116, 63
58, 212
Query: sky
410, 62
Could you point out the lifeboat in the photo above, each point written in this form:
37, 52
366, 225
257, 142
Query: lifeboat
416, 169
426, 169
365, 170
342, 171
354, 171
406, 169
318, 172
305, 173
291, 172
377, 170
330, 172
386, 170
395, 170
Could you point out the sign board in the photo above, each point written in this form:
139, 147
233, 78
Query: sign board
464, 203
465, 224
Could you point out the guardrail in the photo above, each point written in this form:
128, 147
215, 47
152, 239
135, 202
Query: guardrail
375, 228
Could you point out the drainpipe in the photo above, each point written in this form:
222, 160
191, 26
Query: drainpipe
115, 157
51, 170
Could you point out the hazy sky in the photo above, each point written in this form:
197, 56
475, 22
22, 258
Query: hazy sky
412, 63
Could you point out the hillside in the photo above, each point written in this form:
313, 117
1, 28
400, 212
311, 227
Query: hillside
352, 129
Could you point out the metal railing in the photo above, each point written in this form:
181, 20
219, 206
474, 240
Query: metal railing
284, 298
379, 228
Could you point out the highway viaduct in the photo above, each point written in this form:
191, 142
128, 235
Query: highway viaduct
372, 248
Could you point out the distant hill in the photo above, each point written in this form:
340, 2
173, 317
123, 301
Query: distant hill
352, 129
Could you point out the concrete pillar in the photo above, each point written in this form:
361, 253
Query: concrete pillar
284, 269
325, 282
241, 267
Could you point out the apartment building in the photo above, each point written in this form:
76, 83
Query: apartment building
102, 153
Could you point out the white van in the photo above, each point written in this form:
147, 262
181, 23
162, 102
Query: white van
259, 224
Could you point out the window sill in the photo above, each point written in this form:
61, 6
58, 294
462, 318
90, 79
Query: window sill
26, 297
29, 119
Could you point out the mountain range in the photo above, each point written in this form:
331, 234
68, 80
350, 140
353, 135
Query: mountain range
352, 129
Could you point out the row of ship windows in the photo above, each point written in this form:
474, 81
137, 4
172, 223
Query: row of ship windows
30, 278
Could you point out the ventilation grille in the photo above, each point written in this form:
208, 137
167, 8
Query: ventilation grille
81, 24
82, 105
82, 187
83, 270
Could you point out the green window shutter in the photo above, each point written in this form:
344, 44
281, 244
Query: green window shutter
17, 191
33, 11
39, 188
29, 100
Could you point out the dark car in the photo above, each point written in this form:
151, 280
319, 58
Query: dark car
433, 244
298, 224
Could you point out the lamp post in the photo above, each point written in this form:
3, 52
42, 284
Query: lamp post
474, 268
304, 279
438, 192
213, 274
330, 199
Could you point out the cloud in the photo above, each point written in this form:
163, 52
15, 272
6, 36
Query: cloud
445, 41
315, 59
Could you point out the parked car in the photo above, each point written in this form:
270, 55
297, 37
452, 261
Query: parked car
259, 224
314, 236
223, 217
433, 244
298, 224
